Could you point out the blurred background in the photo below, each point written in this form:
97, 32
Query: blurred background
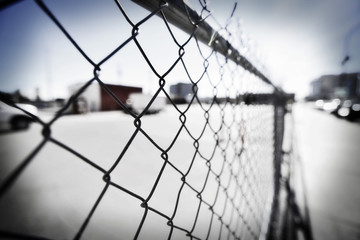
310, 48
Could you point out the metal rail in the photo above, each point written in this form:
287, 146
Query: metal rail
182, 16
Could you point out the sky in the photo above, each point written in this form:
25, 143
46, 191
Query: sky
294, 42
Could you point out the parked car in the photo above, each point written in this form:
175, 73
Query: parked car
15, 119
330, 106
349, 109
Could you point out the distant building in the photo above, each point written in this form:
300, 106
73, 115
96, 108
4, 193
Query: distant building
96, 98
181, 92
343, 86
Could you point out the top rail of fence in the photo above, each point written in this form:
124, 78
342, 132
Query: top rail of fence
178, 13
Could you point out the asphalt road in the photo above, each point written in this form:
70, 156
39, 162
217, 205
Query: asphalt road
55, 193
53, 196
330, 154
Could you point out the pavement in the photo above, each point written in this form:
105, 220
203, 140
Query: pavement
53, 196
330, 159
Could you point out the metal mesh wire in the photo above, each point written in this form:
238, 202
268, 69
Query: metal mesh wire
199, 170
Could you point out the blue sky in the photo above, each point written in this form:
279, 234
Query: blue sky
296, 40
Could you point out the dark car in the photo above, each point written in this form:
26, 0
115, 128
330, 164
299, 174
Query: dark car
15, 119
349, 109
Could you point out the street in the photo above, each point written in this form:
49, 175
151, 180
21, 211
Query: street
330, 155
55, 193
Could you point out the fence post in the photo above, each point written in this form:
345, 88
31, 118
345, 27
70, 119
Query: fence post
279, 124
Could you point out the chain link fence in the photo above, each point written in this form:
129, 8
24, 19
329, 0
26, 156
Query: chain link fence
205, 167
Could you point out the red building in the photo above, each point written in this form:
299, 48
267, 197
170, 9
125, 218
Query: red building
120, 91
97, 98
